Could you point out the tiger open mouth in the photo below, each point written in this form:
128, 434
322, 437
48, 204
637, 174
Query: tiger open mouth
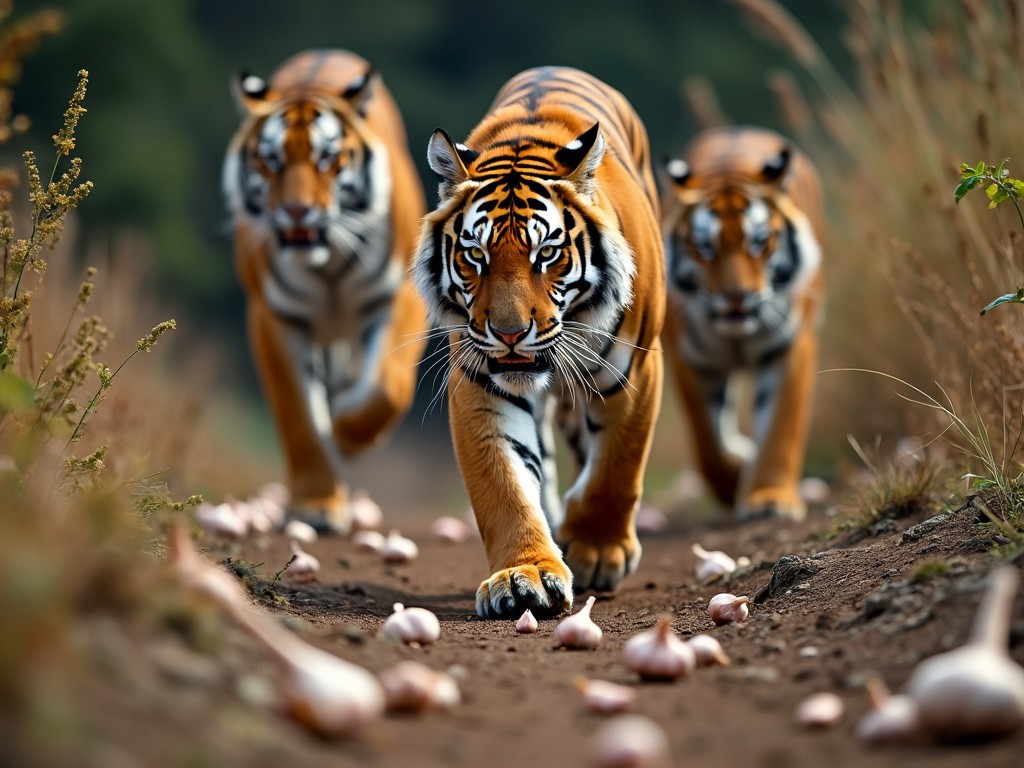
301, 237
517, 362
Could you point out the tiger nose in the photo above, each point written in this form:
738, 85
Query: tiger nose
510, 335
297, 213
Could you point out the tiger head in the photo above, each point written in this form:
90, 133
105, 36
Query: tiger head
520, 263
303, 171
734, 244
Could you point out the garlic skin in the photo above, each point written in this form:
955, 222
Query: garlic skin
725, 608
579, 631
527, 623
304, 567
365, 513
450, 530
629, 741
707, 651
712, 564
276, 493
977, 690
603, 697
890, 719
222, 520
398, 549
412, 625
327, 695
368, 541
819, 710
657, 654
413, 687
300, 531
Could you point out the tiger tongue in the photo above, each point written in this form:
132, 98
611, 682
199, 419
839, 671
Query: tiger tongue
514, 358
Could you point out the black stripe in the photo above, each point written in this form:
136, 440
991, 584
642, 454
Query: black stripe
530, 459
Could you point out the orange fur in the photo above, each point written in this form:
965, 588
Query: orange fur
324, 127
743, 225
495, 264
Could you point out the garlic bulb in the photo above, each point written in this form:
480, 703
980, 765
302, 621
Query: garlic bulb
629, 741
398, 549
412, 625
527, 623
890, 719
712, 564
977, 690
413, 687
726, 608
300, 531
657, 654
578, 630
329, 696
276, 493
368, 541
819, 710
603, 697
707, 651
303, 567
365, 513
221, 520
264, 515
450, 530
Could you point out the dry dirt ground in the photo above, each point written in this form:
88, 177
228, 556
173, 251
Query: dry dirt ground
877, 605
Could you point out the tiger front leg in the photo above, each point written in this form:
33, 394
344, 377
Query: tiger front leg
499, 452
782, 413
598, 536
284, 359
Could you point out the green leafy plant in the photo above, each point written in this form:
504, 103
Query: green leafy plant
1000, 188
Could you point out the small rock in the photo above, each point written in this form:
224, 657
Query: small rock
789, 571
922, 529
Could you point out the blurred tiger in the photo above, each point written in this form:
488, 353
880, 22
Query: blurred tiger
544, 264
326, 206
743, 226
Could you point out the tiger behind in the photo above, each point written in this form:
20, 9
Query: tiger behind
326, 207
743, 222
544, 263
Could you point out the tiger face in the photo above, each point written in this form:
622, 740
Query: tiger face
306, 172
735, 260
514, 267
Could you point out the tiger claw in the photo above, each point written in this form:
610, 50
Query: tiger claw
545, 590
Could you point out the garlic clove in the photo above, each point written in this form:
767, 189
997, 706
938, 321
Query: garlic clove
300, 531
303, 567
579, 631
725, 608
368, 541
276, 493
629, 741
657, 654
712, 564
527, 623
365, 513
413, 687
450, 530
977, 690
398, 549
890, 719
819, 710
221, 520
707, 651
604, 697
412, 625
262, 515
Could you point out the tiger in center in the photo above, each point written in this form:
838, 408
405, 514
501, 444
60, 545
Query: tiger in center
543, 266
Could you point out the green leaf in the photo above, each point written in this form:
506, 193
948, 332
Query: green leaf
965, 186
1009, 298
16, 393
980, 167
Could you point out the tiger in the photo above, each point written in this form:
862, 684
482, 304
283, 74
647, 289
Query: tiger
326, 205
543, 264
743, 223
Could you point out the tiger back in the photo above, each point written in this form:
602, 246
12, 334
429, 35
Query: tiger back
544, 263
326, 206
743, 226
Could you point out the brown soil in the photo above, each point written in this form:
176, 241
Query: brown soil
870, 607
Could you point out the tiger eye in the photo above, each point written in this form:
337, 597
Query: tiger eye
546, 251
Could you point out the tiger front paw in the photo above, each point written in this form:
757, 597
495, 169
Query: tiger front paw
544, 588
601, 565
328, 515
772, 502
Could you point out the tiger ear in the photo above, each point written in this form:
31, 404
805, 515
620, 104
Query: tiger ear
776, 169
251, 92
448, 159
359, 92
582, 156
